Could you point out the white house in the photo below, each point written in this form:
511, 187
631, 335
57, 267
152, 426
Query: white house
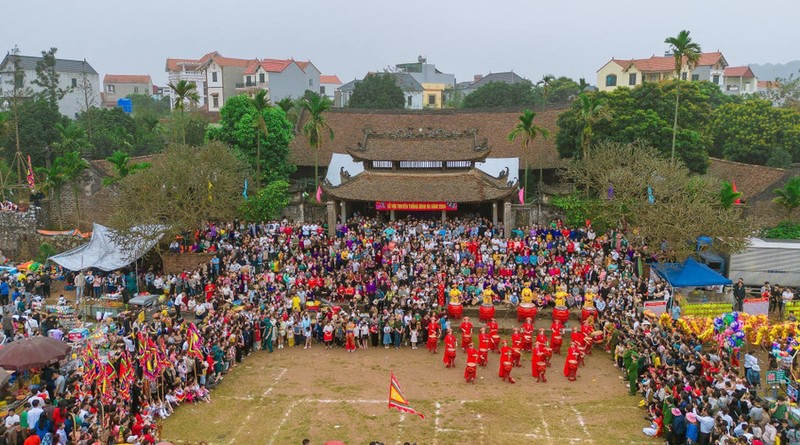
74, 76
282, 78
328, 85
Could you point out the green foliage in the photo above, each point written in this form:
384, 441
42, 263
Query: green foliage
47, 79
185, 94
51, 181
37, 130
753, 130
239, 128
784, 92
146, 105
111, 129
316, 128
784, 230
500, 94
779, 157
526, 130
377, 91
789, 196
727, 196
46, 250
268, 203
73, 166
72, 138
123, 167
556, 90
578, 209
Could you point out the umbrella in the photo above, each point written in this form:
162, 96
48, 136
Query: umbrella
33, 352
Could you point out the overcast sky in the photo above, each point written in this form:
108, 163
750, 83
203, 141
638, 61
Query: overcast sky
349, 38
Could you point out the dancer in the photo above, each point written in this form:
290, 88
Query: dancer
466, 334
556, 336
494, 334
505, 363
571, 364
433, 335
538, 362
516, 347
484, 344
350, 343
527, 334
470, 372
449, 349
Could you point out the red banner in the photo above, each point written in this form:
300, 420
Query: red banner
416, 206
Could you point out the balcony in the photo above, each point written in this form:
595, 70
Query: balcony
257, 85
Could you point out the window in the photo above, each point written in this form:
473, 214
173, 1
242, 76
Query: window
716, 79
19, 80
215, 101
420, 164
408, 101
311, 82
747, 86
695, 77
74, 83
213, 76
322, 90
381, 164
611, 80
632, 79
683, 76
135, 90
111, 89
459, 164
431, 99
262, 78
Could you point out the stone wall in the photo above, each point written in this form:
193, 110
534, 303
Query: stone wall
96, 202
18, 233
178, 262
528, 214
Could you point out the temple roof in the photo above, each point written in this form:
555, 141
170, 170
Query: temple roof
420, 145
470, 186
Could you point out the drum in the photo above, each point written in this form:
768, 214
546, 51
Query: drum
556, 340
455, 310
541, 366
486, 312
495, 340
572, 364
507, 366
483, 351
597, 336
548, 352
561, 313
472, 365
588, 312
451, 352
526, 311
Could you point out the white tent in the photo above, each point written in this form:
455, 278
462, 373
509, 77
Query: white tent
108, 250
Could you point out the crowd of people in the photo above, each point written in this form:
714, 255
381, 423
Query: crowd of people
373, 284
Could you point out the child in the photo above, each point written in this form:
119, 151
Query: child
413, 335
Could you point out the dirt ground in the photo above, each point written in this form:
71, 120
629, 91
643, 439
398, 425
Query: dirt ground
289, 395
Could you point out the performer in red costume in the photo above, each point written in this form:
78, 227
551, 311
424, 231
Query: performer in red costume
505, 363
466, 334
587, 329
449, 349
541, 338
527, 334
516, 347
556, 336
494, 334
350, 344
470, 372
537, 359
571, 364
433, 335
484, 344
578, 339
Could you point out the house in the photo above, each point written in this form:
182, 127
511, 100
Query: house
282, 78
480, 80
77, 77
738, 80
117, 86
435, 83
222, 76
328, 85
633, 72
413, 91
188, 70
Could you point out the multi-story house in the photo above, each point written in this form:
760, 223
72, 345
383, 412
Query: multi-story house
739, 80
282, 78
77, 77
117, 86
188, 70
222, 75
433, 81
328, 85
633, 72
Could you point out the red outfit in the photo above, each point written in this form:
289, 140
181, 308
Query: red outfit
433, 337
556, 339
527, 335
466, 335
572, 355
484, 344
516, 346
350, 344
494, 334
505, 364
449, 350
538, 357
470, 372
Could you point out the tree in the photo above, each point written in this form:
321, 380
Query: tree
260, 104
686, 52
51, 180
13, 95
268, 203
635, 172
47, 79
185, 92
547, 79
114, 130
121, 163
87, 96
316, 127
166, 194
73, 166
501, 94
784, 92
727, 195
72, 138
38, 128
526, 130
593, 108
377, 91
789, 196
238, 128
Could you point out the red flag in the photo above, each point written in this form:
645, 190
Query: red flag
738, 200
319, 193
31, 181
398, 400
522, 195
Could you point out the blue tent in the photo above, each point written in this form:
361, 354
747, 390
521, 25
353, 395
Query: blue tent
689, 274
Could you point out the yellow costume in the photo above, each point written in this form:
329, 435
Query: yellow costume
455, 295
561, 298
588, 300
527, 294
487, 296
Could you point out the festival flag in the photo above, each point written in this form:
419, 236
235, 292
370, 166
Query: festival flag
738, 201
195, 341
611, 192
651, 198
30, 178
319, 193
209, 191
398, 400
521, 195
244, 192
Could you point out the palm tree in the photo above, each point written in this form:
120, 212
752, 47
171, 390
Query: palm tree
547, 79
528, 131
728, 196
582, 85
789, 196
184, 92
593, 109
260, 103
686, 53
72, 138
316, 126
121, 163
52, 183
73, 166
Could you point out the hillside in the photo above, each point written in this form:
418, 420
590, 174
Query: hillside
769, 71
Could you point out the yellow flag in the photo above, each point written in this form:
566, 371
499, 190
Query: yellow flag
209, 190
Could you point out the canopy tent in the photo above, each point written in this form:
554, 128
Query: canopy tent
689, 274
109, 250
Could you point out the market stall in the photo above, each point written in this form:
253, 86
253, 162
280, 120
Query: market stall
692, 275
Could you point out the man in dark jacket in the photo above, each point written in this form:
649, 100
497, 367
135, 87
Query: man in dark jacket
738, 296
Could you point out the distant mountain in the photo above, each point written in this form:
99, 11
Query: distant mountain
769, 71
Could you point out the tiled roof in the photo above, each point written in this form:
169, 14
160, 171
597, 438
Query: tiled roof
61, 66
126, 78
470, 186
659, 64
506, 77
349, 125
192, 64
415, 145
225, 61
739, 71
303, 64
329, 79
751, 180
765, 84
269, 65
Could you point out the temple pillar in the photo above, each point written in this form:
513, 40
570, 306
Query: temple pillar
444, 215
344, 212
508, 218
494, 213
391, 215
330, 207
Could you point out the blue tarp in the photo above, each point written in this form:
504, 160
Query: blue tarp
689, 274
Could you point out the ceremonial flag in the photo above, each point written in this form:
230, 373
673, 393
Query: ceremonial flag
31, 181
733, 185
398, 400
521, 195
209, 190
244, 192
319, 193
195, 341
611, 192
651, 198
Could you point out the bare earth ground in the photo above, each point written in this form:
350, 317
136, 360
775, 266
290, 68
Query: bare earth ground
284, 397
